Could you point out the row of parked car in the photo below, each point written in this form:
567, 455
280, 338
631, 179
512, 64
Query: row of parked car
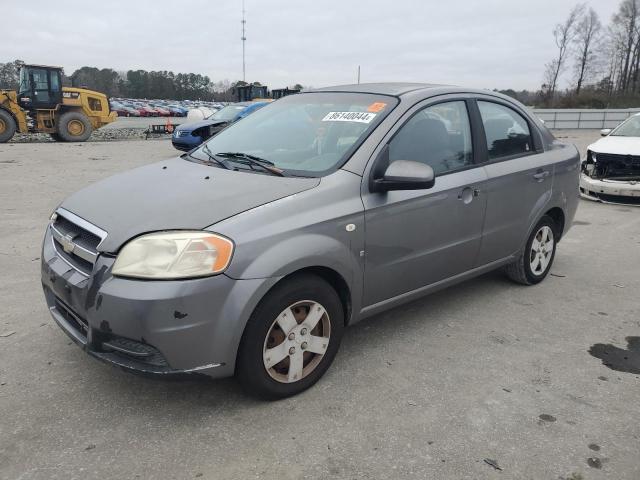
126, 107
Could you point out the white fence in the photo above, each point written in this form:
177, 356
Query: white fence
584, 118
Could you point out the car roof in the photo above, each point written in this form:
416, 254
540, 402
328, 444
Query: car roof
393, 88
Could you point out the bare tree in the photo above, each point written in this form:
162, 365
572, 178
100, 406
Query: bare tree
625, 33
586, 39
564, 34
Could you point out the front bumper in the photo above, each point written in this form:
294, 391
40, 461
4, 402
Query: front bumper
156, 327
186, 143
609, 191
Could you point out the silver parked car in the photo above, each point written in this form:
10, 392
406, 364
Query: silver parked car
251, 254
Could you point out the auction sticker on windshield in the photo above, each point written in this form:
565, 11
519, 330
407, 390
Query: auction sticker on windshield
360, 117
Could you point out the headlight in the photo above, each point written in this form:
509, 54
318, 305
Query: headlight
169, 255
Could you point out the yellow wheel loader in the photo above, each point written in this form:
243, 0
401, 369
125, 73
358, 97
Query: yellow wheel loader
43, 105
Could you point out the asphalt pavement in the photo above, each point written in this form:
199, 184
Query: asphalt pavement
485, 380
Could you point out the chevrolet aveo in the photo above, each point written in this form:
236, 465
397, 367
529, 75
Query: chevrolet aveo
250, 255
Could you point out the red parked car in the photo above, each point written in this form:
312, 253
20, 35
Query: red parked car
162, 111
147, 111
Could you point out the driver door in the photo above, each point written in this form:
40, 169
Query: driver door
45, 89
417, 238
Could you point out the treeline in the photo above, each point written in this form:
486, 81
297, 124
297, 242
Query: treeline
603, 61
144, 84
137, 83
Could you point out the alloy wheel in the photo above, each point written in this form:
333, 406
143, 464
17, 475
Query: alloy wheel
297, 341
541, 250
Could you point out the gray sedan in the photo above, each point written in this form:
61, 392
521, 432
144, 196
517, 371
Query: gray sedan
250, 255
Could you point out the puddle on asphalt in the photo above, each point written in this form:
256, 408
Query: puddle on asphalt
619, 359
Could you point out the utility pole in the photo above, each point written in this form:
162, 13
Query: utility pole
358, 74
244, 39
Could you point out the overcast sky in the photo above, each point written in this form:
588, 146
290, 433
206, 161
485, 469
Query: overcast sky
485, 44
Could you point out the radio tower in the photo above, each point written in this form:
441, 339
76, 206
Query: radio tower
244, 39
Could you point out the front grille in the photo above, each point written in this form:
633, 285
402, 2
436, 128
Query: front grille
75, 261
73, 319
75, 244
626, 160
81, 236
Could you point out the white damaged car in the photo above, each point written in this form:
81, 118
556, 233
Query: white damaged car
611, 170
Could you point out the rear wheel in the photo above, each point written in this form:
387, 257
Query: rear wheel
535, 261
74, 127
291, 338
7, 126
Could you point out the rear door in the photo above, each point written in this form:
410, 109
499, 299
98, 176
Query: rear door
519, 177
416, 238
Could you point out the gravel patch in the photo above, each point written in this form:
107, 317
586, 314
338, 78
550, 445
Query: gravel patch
102, 135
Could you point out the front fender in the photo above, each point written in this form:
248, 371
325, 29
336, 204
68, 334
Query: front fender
290, 255
304, 251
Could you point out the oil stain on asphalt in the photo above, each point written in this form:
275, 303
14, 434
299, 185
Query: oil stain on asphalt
617, 358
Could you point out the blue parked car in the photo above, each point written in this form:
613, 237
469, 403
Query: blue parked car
177, 110
189, 135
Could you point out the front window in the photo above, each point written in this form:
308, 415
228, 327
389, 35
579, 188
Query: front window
24, 81
227, 113
629, 128
309, 134
439, 136
40, 79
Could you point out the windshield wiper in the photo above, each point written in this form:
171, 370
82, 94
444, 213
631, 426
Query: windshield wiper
251, 161
209, 153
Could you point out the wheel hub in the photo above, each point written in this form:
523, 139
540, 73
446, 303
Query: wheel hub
297, 341
75, 127
541, 250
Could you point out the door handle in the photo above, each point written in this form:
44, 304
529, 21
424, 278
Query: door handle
541, 175
467, 194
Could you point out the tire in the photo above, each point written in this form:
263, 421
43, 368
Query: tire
74, 127
290, 301
7, 126
55, 137
535, 261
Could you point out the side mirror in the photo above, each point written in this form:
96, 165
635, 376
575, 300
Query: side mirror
405, 175
605, 131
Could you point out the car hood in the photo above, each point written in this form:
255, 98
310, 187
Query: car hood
617, 145
172, 195
201, 123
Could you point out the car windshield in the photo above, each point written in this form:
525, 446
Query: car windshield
630, 128
227, 113
308, 134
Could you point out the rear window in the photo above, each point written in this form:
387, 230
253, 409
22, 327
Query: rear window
507, 132
95, 104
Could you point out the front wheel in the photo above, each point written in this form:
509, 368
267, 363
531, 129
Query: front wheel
291, 338
535, 261
7, 126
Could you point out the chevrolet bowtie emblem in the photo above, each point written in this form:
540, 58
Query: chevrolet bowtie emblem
67, 243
